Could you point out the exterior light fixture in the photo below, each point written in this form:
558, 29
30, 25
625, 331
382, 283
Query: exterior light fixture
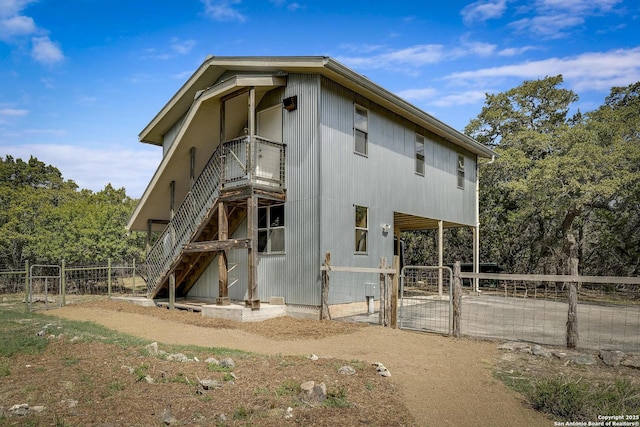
290, 103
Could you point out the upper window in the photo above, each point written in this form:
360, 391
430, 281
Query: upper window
362, 228
460, 171
361, 132
419, 154
271, 229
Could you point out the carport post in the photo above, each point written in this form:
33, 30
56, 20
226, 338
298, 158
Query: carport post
440, 250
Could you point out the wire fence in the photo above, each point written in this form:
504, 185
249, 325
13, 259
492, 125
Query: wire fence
47, 286
608, 314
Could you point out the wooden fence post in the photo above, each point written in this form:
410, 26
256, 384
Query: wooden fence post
63, 285
27, 287
457, 297
572, 315
324, 310
133, 277
384, 296
394, 292
570, 250
109, 277
172, 291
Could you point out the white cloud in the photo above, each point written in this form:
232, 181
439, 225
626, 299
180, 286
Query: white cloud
461, 98
93, 168
483, 10
588, 71
46, 51
16, 26
418, 94
12, 112
182, 47
513, 51
553, 17
223, 10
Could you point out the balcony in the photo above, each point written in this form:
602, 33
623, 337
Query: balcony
254, 162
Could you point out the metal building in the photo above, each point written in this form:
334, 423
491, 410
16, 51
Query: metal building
270, 162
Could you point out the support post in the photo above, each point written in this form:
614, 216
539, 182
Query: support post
252, 223
394, 292
27, 287
440, 257
63, 285
109, 277
149, 229
223, 267
476, 257
325, 314
172, 291
133, 277
385, 303
572, 315
457, 299
192, 167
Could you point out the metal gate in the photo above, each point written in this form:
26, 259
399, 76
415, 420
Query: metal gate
426, 302
44, 280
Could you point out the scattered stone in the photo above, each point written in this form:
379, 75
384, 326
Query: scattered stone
152, 348
584, 359
515, 346
288, 414
209, 384
178, 357
168, 418
382, 370
347, 370
538, 350
37, 409
75, 338
20, 409
611, 358
41, 333
313, 393
632, 362
212, 361
195, 359
313, 357
222, 418
559, 354
149, 379
128, 368
70, 403
228, 363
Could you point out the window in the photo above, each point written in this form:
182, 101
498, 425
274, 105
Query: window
360, 124
271, 229
362, 228
460, 171
419, 154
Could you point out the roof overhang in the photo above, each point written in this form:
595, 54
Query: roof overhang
154, 203
215, 66
408, 222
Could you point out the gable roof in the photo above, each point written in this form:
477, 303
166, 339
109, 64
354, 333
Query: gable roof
215, 66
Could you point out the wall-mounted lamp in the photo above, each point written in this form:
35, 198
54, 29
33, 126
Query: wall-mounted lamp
290, 103
386, 228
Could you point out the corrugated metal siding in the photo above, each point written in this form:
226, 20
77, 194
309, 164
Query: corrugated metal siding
384, 181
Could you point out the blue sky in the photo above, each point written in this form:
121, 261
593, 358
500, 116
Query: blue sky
79, 79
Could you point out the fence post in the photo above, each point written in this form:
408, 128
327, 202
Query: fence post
172, 291
572, 315
63, 284
457, 297
324, 310
27, 290
109, 277
394, 292
384, 295
133, 277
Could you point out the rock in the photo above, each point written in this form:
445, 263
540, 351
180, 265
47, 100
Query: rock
611, 358
152, 348
288, 414
228, 363
70, 403
212, 361
168, 418
382, 370
210, 384
149, 380
347, 370
312, 392
313, 357
559, 354
538, 350
37, 409
584, 359
222, 418
20, 409
128, 368
178, 357
631, 362
515, 346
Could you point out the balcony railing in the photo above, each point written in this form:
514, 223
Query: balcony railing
239, 162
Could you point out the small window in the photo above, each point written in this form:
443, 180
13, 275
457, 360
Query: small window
271, 229
460, 171
419, 154
362, 228
361, 132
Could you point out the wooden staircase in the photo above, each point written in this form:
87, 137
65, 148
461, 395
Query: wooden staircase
200, 228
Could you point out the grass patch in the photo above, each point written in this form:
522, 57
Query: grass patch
288, 388
214, 367
337, 398
576, 399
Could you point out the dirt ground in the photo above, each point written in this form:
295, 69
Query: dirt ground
442, 381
